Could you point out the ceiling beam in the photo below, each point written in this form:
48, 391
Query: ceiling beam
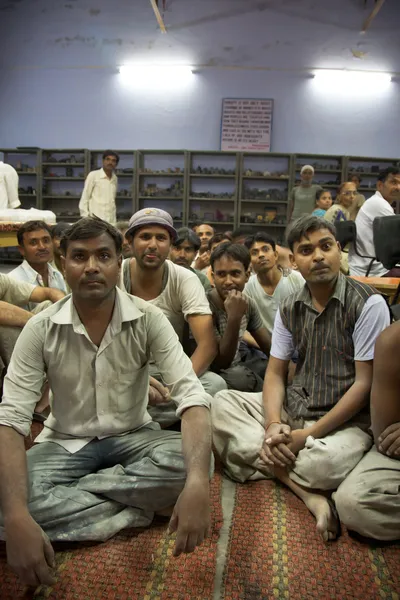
375, 10
159, 18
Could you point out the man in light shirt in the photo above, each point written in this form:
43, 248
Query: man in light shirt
100, 464
270, 284
99, 193
36, 247
8, 186
379, 205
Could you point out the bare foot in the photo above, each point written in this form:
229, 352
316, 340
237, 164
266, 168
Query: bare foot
327, 522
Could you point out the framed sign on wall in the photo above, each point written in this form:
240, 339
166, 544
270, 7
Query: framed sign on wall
246, 124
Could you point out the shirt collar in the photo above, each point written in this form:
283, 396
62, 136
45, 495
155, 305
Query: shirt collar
103, 175
33, 275
339, 292
125, 309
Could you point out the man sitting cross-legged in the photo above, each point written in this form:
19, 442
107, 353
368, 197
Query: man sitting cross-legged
311, 434
176, 291
368, 501
233, 314
100, 464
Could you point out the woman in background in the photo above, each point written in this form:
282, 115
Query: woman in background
342, 211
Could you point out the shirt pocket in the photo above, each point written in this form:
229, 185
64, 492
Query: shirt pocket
130, 388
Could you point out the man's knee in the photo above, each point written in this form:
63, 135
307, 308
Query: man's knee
212, 383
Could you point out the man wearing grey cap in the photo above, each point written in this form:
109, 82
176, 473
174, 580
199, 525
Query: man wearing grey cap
303, 196
175, 290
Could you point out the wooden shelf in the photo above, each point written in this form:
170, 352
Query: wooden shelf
213, 175
263, 224
196, 199
155, 174
26, 172
63, 164
179, 198
69, 197
63, 178
247, 201
266, 178
22, 195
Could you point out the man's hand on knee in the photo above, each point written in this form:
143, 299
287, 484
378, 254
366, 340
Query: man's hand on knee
275, 450
191, 517
29, 551
389, 441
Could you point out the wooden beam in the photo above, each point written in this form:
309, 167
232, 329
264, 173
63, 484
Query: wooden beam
158, 16
375, 10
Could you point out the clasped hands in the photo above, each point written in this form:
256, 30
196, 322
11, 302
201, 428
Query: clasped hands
282, 444
389, 441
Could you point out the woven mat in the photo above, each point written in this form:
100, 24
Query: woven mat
275, 552
134, 565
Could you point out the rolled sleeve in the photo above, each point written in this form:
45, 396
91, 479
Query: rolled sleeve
174, 365
14, 291
24, 380
193, 296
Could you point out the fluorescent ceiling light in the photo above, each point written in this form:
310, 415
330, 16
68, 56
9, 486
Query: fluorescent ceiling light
156, 74
352, 80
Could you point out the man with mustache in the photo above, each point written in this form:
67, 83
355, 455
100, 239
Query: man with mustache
177, 292
36, 247
311, 434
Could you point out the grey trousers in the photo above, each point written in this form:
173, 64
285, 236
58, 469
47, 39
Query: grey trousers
368, 501
165, 414
108, 485
241, 378
238, 433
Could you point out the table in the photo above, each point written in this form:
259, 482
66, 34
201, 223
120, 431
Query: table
8, 234
385, 285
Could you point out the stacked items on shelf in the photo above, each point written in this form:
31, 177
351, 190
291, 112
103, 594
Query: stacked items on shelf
63, 177
154, 185
125, 172
328, 169
213, 178
261, 203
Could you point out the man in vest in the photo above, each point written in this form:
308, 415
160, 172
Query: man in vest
311, 434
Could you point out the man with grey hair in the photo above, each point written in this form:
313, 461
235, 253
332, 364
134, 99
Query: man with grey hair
303, 196
311, 434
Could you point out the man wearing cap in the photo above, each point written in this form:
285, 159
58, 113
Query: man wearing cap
303, 196
175, 290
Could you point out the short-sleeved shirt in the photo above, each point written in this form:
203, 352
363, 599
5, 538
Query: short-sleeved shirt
24, 272
303, 199
290, 282
251, 321
376, 206
15, 292
182, 294
327, 343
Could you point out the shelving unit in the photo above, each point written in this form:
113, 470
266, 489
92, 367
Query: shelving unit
226, 189
125, 200
213, 188
63, 173
26, 161
265, 184
161, 182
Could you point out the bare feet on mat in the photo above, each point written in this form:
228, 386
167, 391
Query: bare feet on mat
323, 510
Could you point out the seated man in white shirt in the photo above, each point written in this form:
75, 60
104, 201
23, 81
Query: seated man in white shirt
36, 247
174, 289
100, 464
379, 205
100, 191
271, 284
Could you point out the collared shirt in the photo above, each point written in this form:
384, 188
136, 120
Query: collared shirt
8, 186
251, 322
24, 272
376, 206
15, 292
98, 196
96, 392
327, 343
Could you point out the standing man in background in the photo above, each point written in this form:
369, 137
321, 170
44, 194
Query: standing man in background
303, 196
8, 186
99, 193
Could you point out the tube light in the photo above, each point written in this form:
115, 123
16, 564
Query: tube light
156, 74
352, 80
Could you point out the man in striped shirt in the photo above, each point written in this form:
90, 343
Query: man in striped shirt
312, 434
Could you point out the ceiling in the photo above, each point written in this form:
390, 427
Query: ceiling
245, 34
